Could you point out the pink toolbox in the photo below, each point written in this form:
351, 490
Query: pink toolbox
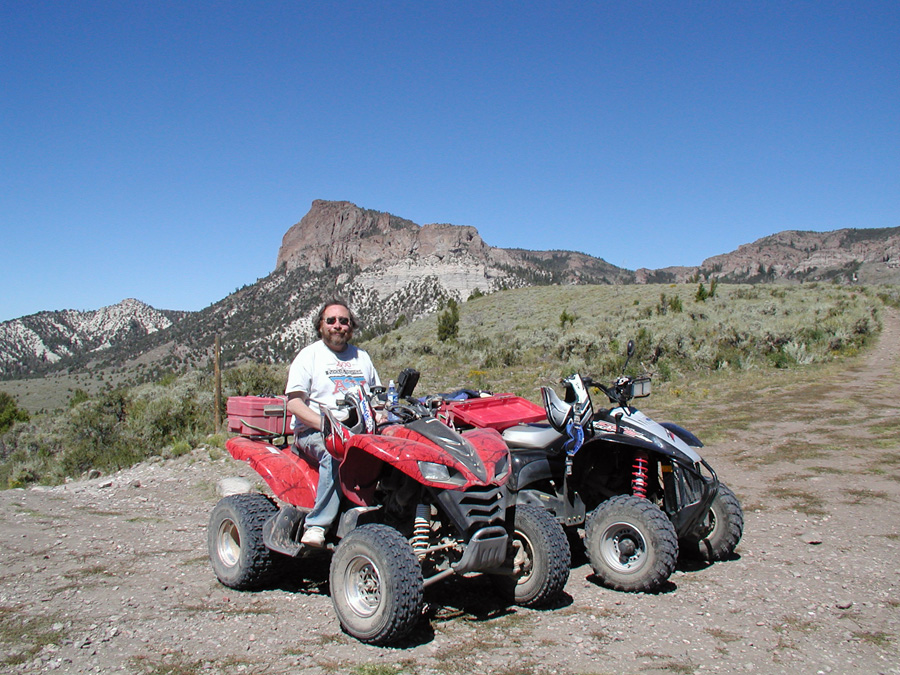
258, 415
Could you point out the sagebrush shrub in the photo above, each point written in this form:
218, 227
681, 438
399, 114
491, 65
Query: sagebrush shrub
506, 341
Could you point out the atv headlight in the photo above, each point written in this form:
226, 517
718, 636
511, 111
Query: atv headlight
439, 473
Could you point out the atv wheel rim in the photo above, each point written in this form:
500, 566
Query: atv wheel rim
623, 548
523, 563
228, 543
712, 522
363, 586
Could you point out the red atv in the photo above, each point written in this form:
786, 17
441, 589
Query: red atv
420, 502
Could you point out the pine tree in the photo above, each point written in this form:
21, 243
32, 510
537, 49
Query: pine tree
448, 322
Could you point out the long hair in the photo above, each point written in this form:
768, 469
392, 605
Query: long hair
354, 323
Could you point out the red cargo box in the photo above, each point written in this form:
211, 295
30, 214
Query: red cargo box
498, 412
258, 415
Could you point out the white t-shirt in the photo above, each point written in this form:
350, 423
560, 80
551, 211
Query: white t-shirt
325, 376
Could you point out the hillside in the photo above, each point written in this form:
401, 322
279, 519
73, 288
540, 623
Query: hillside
515, 340
850, 255
392, 271
58, 340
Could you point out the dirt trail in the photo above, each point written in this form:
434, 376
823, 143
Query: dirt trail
110, 575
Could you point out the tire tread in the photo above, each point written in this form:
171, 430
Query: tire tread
408, 587
665, 549
258, 565
552, 540
722, 546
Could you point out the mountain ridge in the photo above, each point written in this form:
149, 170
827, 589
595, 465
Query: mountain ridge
392, 270
49, 339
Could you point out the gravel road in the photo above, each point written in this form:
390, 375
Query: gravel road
111, 575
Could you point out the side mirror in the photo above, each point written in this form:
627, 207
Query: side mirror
629, 350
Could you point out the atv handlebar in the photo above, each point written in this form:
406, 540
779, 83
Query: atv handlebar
623, 389
408, 412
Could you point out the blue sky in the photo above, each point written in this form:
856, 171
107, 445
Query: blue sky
160, 150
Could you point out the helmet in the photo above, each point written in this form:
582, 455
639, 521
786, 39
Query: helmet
559, 414
577, 395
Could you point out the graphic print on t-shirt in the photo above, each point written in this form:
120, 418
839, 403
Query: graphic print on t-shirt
345, 377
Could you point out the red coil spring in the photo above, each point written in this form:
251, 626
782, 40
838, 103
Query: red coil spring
639, 471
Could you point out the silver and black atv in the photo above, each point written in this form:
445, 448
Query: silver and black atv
638, 488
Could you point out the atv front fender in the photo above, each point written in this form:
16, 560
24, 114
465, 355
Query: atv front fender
683, 434
695, 493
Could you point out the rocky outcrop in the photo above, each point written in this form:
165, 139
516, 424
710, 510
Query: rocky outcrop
806, 256
665, 275
338, 233
388, 253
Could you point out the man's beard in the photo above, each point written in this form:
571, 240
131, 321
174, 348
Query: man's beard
336, 342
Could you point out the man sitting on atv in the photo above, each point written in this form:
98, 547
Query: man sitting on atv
320, 375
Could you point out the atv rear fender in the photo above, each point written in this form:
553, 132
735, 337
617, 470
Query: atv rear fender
292, 478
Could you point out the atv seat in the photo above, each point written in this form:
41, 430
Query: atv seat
533, 437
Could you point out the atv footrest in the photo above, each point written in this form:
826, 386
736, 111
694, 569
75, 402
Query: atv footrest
485, 550
281, 532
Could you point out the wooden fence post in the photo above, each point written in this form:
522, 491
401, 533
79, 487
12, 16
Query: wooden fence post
218, 397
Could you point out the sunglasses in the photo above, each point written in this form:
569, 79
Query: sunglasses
345, 321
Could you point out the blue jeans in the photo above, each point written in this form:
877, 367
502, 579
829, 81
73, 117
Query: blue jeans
328, 497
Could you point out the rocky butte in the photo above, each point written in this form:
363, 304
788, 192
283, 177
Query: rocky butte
390, 253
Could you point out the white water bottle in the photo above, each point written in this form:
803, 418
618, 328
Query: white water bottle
391, 400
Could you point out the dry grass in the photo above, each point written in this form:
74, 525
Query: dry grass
802, 501
514, 340
718, 366
23, 636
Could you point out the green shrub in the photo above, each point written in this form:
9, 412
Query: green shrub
254, 379
111, 431
10, 412
78, 396
779, 358
179, 448
566, 318
663, 371
668, 304
448, 322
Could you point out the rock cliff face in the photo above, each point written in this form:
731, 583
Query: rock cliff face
869, 255
388, 253
335, 233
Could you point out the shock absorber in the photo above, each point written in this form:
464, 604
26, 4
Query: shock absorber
421, 530
639, 473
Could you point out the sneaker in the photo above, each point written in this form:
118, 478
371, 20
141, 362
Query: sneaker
314, 536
